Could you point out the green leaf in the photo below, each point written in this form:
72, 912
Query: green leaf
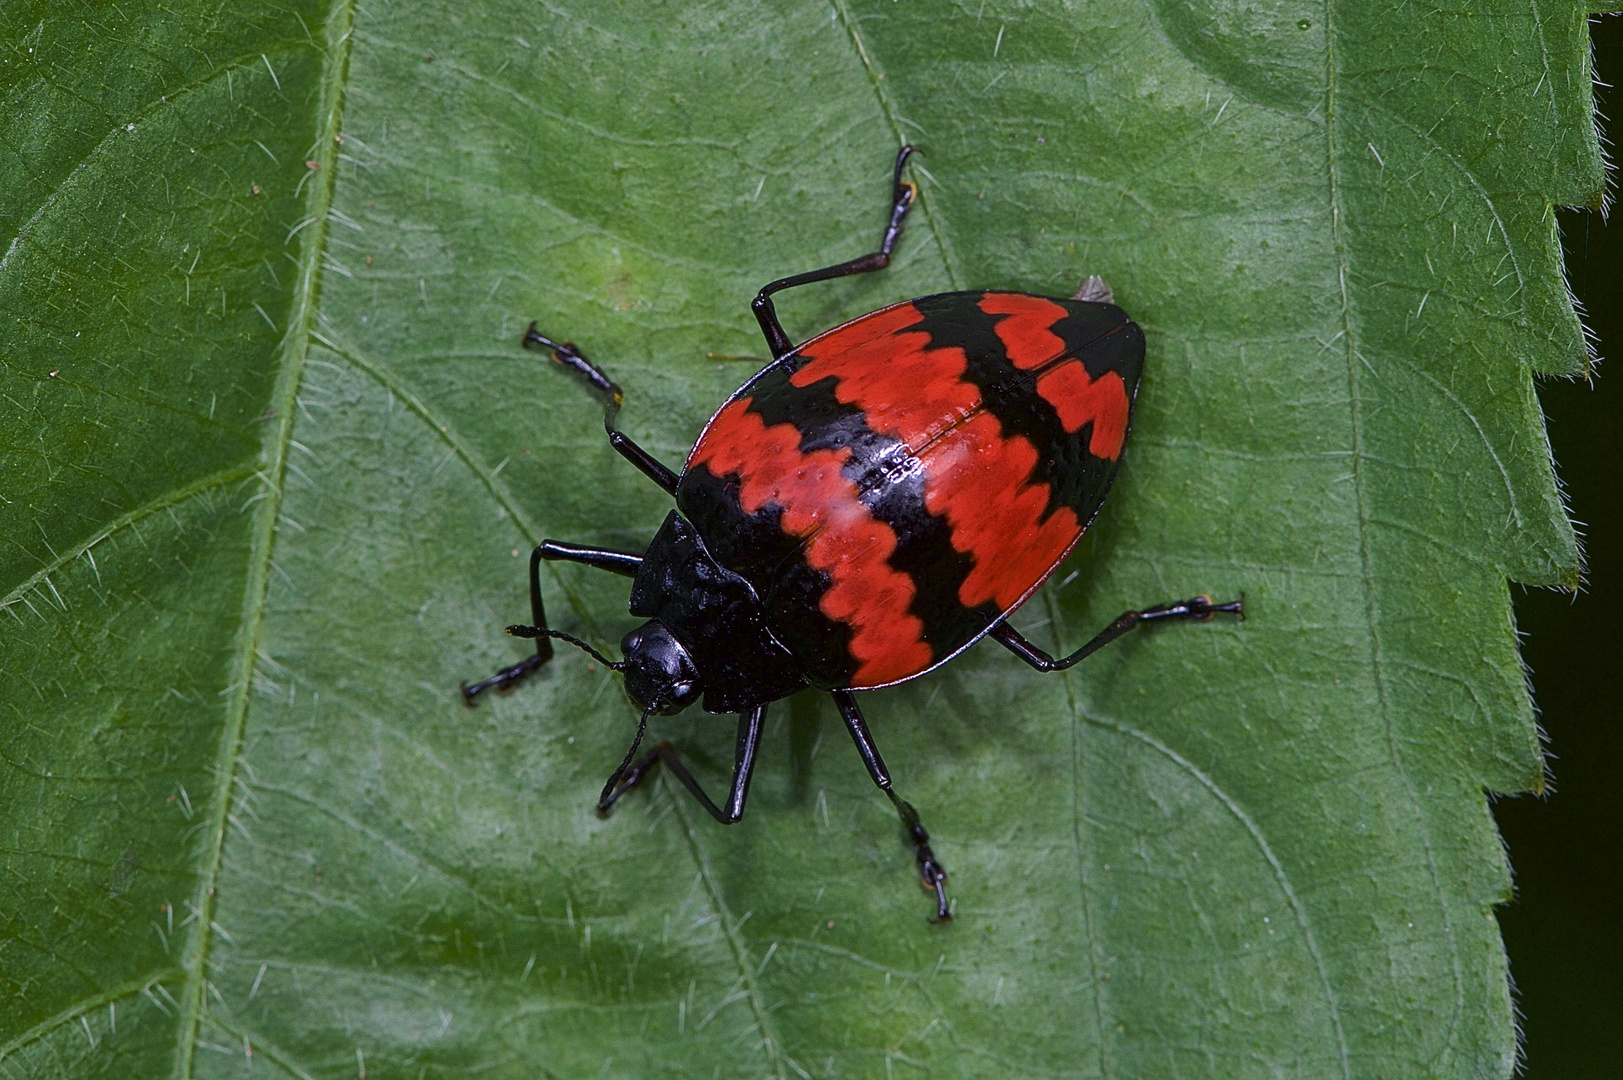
272, 453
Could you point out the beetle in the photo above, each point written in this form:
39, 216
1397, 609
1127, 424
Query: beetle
866, 507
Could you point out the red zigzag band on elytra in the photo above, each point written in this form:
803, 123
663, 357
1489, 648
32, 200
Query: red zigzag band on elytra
844, 539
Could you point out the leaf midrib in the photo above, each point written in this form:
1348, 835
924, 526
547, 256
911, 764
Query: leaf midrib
290, 368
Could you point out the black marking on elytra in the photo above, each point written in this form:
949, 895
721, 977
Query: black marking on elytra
822, 645
1097, 334
890, 482
1075, 477
750, 545
755, 547
1009, 394
925, 553
824, 422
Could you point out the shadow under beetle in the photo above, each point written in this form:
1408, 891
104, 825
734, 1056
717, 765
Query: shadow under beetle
866, 507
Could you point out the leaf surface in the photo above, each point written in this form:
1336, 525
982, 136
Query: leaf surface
272, 458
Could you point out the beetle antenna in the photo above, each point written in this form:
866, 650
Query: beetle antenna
642, 729
523, 631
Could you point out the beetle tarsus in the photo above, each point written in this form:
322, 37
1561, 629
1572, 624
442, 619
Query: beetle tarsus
932, 874
1196, 608
630, 779
903, 194
504, 680
935, 878
565, 354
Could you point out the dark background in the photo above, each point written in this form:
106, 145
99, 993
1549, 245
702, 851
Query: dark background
1564, 930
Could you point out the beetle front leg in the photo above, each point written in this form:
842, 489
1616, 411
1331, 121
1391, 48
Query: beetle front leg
749, 742
624, 563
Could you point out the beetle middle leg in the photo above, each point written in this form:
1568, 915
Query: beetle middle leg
749, 741
903, 192
624, 563
931, 872
565, 354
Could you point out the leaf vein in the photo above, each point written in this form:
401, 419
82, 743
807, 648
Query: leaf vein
760, 1013
82, 1008
459, 447
1355, 362
167, 501
888, 110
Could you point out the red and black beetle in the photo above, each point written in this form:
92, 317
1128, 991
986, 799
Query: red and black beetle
865, 508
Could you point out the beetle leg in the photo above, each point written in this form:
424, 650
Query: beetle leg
903, 193
1196, 609
566, 355
618, 562
931, 873
749, 741
624, 563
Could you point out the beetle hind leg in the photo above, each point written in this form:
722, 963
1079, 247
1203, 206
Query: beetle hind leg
931, 873
1195, 609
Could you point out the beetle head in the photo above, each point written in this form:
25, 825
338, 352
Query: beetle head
658, 670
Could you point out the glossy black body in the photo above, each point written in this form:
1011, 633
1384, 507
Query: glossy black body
718, 619
710, 633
